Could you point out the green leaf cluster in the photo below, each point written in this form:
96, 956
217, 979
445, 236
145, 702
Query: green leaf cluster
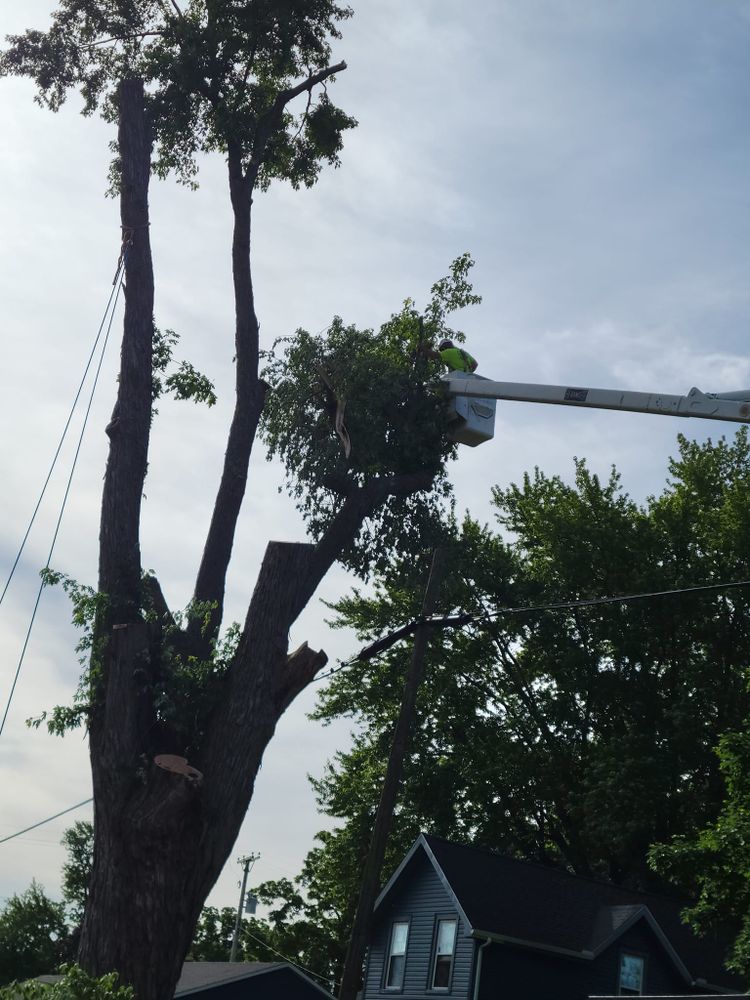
213, 70
78, 841
75, 984
88, 606
386, 391
33, 935
713, 865
183, 688
184, 383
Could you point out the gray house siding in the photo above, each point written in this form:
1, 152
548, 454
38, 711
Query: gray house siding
523, 974
421, 899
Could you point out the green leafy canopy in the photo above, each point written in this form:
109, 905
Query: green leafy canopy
184, 689
75, 984
577, 737
213, 70
386, 392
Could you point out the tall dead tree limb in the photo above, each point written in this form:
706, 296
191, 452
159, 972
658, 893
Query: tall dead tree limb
370, 884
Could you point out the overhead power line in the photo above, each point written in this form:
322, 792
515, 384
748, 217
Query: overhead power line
113, 302
246, 933
113, 295
466, 618
43, 821
622, 599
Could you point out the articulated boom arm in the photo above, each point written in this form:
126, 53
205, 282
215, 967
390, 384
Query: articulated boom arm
473, 399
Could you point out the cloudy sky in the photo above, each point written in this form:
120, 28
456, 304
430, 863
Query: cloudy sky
594, 157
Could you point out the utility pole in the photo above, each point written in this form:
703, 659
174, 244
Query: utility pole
248, 862
374, 862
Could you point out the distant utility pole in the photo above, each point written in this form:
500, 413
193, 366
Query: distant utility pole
371, 873
248, 863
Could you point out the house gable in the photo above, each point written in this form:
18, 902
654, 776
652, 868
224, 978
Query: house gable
418, 896
623, 922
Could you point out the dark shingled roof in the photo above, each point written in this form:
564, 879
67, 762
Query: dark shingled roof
201, 975
551, 908
198, 976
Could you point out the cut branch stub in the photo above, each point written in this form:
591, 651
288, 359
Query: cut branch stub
177, 765
300, 668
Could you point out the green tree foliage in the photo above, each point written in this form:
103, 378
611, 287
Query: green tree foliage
33, 935
75, 984
292, 932
212, 941
215, 70
713, 866
78, 841
381, 387
298, 928
577, 737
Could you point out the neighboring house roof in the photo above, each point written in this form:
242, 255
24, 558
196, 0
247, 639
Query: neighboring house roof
202, 975
537, 906
198, 976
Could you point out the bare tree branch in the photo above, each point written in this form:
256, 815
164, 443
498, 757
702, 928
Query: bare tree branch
271, 121
125, 38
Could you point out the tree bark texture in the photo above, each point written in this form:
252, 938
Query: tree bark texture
119, 547
249, 398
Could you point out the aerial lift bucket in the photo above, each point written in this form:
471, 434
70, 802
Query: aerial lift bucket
472, 420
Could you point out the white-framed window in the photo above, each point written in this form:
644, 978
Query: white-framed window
632, 968
396, 960
445, 946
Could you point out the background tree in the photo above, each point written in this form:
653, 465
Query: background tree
78, 841
33, 935
212, 941
576, 737
712, 866
291, 931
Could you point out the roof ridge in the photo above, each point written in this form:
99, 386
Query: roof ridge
557, 870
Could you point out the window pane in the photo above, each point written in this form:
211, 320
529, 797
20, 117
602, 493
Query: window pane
395, 978
442, 977
394, 975
445, 940
631, 974
446, 937
398, 938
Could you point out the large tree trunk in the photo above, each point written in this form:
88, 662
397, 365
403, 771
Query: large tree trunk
161, 838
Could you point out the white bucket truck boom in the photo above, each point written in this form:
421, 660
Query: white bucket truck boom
472, 402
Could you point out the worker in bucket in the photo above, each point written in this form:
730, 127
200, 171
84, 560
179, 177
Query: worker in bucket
454, 358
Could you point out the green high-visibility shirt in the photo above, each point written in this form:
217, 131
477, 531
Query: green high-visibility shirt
457, 360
